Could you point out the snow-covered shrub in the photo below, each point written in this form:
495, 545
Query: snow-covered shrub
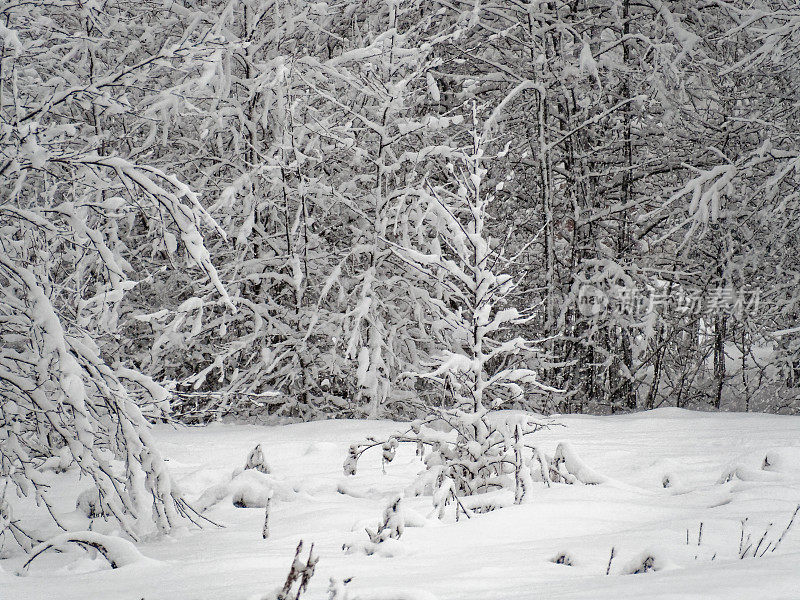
482, 363
383, 537
747, 473
465, 297
248, 488
253, 487
478, 452
392, 525
256, 460
250, 492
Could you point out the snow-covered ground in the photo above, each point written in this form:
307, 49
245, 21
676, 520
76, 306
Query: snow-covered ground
507, 553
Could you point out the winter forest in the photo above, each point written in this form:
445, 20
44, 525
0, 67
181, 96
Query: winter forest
512, 285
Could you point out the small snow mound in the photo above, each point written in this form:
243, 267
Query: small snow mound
568, 466
744, 473
648, 561
642, 563
60, 463
252, 489
273, 595
414, 518
562, 558
672, 481
411, 518
772, 462
250, 496
383, 538
88, 503
488, 502
345, 489
388, 548
783, 460
247, 489
663, 473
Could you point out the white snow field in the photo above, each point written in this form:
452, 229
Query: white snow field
715, 464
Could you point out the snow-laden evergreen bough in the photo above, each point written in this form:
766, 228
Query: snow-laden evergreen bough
81, 212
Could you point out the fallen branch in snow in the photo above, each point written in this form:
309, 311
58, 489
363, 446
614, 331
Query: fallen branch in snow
117, 551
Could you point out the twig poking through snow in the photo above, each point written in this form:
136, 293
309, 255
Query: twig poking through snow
265, 528
788, 527
299, 572
746, 547
699, 538
610, 558
761, 541
741, 538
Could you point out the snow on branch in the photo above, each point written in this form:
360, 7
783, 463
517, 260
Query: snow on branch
186, 218
117, 551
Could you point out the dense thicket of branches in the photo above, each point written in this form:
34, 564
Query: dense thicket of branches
292, 208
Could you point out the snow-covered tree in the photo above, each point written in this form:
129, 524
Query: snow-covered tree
482, 364
82, 197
